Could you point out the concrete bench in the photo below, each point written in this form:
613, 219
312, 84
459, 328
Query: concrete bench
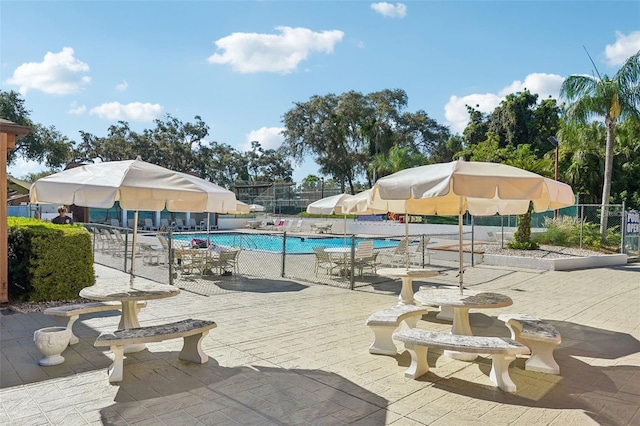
74, 311
540, 337
383, 323
502, 351
192, 331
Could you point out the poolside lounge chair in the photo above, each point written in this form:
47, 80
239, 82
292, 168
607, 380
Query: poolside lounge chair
193, 224
277, 226
115, 222
297, 227
108, 241
164, 224
421, 252
149, 226
399, 254
180, 226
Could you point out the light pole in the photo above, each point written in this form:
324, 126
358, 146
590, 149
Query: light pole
556, 143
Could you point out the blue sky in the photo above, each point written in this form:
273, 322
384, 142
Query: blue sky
241, 65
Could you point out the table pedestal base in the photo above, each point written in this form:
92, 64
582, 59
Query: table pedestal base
462, 327
129, 319
445, 314
406, 294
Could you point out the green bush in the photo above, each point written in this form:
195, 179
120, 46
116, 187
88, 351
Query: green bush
566, 231
523, 245
48, 262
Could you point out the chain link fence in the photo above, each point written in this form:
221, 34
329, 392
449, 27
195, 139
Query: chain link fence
326, 259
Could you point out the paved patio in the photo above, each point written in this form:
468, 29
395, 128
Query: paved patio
292, 353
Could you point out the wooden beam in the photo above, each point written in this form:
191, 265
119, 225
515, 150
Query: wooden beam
7, 141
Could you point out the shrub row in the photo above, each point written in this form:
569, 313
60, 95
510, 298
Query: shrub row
48, 262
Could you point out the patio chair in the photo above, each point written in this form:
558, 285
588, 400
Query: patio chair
149, 226
365, 257
324, 261
421, 252
115, 222
224, 260
192, 259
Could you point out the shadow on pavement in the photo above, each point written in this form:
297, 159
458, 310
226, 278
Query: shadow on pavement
210, 394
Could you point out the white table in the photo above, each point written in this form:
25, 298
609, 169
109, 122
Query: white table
407, 276
129, 296
254, 224
345, 264
322, 227
461, 303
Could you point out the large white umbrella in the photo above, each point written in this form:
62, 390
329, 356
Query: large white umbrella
328, 205
256, 208
480, 188
137, 185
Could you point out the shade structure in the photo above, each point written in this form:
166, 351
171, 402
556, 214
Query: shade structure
457, 187
137, 185
256, 208
328, 205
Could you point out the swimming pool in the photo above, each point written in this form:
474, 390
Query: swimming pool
273, 243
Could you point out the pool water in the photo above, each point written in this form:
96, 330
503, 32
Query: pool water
273, 243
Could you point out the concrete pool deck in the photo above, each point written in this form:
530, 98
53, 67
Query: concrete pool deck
288, 352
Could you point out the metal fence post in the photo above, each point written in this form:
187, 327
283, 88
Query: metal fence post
353, 259
622, 228
284, 251
126, 254
472, 241
170, 257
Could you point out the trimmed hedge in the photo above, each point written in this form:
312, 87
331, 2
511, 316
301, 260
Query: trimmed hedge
48, 262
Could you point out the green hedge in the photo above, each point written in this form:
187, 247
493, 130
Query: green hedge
48, 262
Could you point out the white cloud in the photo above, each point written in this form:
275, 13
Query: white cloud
21, 167
278, 53
76, 109
269, 138
135, 111
545, 85
455, 111
122, 86
399, 10
58, 74
625, 46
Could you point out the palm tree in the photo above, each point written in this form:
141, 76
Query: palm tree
398, 158
614, 98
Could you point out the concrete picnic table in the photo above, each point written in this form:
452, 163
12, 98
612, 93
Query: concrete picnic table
461, 303
407, 276
129, 296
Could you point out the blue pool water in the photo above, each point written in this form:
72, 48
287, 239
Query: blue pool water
273, 243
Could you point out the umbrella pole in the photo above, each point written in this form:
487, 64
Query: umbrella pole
406, 240
133, 247
460, 250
